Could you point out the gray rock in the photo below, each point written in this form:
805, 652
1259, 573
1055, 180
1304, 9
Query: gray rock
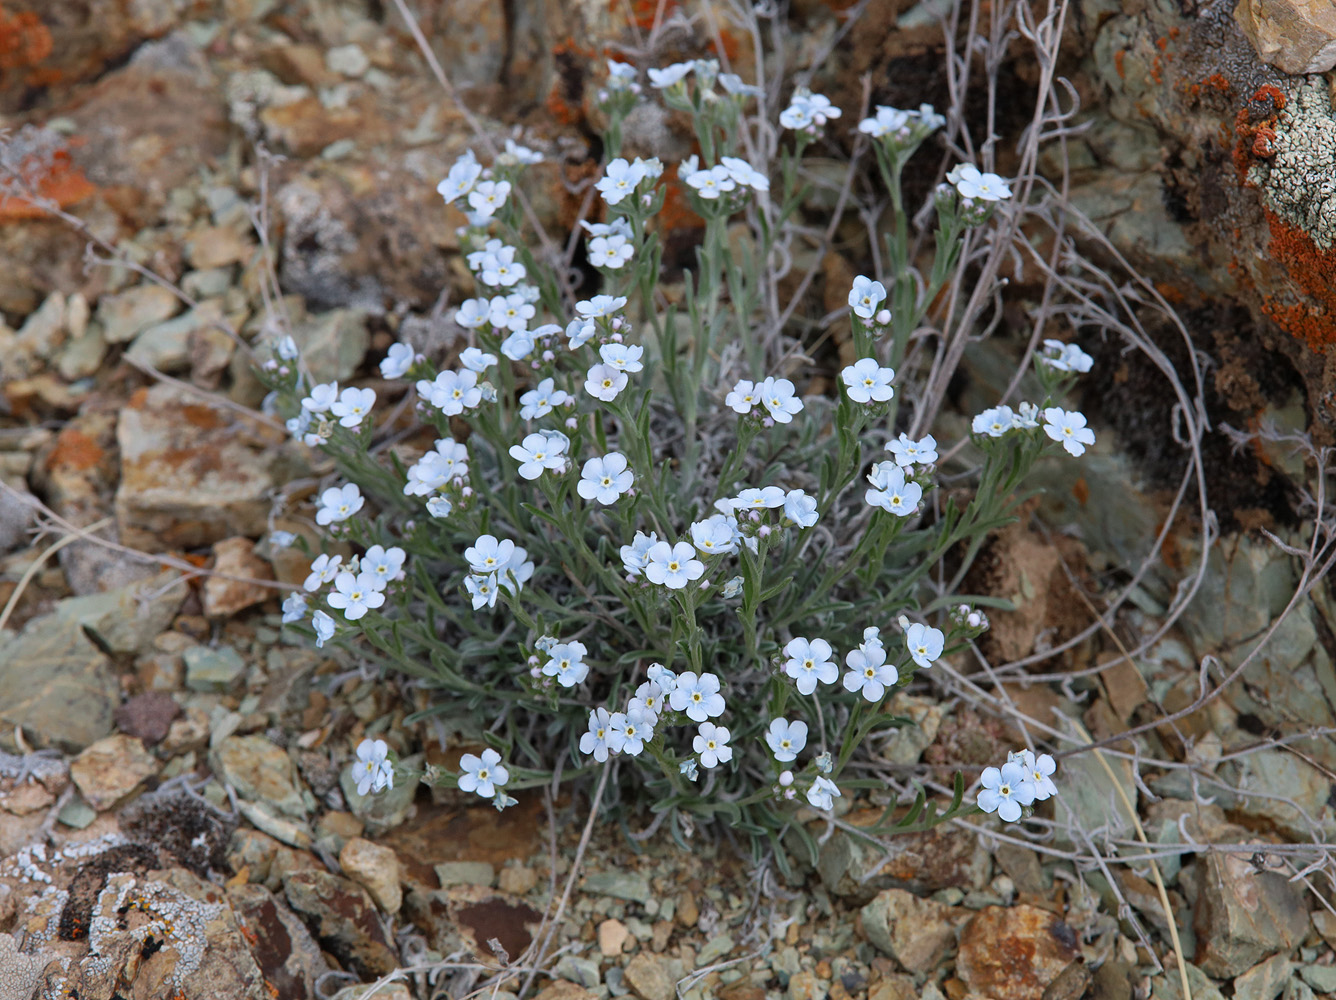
168, 346
213, 671
620, 885
1321, 977
917, 933
465, 873
1263, 981
193, 473
260, 771
715, 949
1243, 915
282, 946
56, 684
44, 330
129, 618
125, 315
333, 344
382, 811
343, 919
649, 976
584, 971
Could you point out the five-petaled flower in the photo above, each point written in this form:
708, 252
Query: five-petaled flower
868, 382
711, 743
869, 673
1005, 790
1069, 428
483, 775
672, 566
786, 739
891, 491
925, 643
372, 771
338, 503
698, 697
605, 479
809, 662
823, 793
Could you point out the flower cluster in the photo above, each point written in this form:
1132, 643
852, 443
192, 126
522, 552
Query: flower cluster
552, 429
1023, 780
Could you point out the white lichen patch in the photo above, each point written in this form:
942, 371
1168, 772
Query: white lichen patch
1298, 182
166, 915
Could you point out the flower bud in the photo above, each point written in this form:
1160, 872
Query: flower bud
786, 778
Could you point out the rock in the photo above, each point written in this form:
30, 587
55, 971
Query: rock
517, 879
915, 932
127, 314
260, 771
148, 716
1014, 953
465, 873
343, 919
612, 934
129, 618
109, 771
175, 345
347, 60
920, 862
56, 684
1321, 977
333, 344
391, 991
335, 828
82, 356
235, 557
648, 976
213, 671
217, 246
894, 987
1243, 915
374, 868
475, 915
187, 734
19, 972
575, 969
715, 949
561, 989
43, 331
283, 948
630, 886
1296, 36
193, 473
17, 515
806, 986
1170, 985
1263, 981
266, 818
381, 811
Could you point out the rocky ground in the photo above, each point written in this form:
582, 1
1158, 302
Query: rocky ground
176, 813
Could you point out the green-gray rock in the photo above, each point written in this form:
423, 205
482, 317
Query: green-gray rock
465, 873
333, 344
619, 885
1321, 977
715, 949
56, 684
213, 671
129, 618
260, 771
1244, 915
1263, 981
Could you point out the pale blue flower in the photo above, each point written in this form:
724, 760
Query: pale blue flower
924, 643
868, 382
1039, 773
625, 357
355, 595
398, 359
461, 178
372, 771
786, 739
1005, 791
698, 697
482, 774
605, 382
620, 179
324, 628
809, 662
672, 566
869, 672
866, 297
605, 479
338, 503
566, 663
711, 743
777, 396
822, 794
906, 451
635, 557
891, 491
743, 397
487, 197
323, 569
294, 608
595, 741
352, 406
541, 399
1069, 428
661, 79
1065, 357
977, 186
630, 730
800, 508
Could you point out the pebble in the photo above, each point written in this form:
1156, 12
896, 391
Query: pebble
648, 977
715, 949
110, 770
260, 771
687, 912
517, 879
1014, 953
612, 935
213, 671
347, 60
127, 314
465, 873
376, 869
235, 557
620, 885
915, 932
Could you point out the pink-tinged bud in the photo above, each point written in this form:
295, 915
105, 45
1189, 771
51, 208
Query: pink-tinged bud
409, 525
467, 491
789, 793
705, 585
270, 365
549, 356
767, 422
535, 672
763, 531
616, 323
533, 661
572, 423
533, 365
284, 369
617, 338
884, 317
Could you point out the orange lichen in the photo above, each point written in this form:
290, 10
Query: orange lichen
1118, 58
644, 13
24, 42
74, 451
1254, 129
1310, 269
1081, 491
676, 213
61, 182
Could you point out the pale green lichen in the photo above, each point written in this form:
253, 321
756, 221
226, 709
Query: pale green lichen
1298, 181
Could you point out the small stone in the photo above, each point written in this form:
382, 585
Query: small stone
343, 919
715, 949
894, 987
612, 934
392, 991
915, 932
127, 314
188, 733
284, 950
374, 868
584, 971
1243, 915
1295, 36
620, 885
148, 716
193, 472
805, 986
77, 814
1321, 977
563, 990
648, 977
213, 671
335, 828
687, 911
465, 873
110, 770
235, 557
44, 330
82, 356
1014, 953
217, 246
347, 60
517, 879
173, 345
260, 771
279, 827
1263, 981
